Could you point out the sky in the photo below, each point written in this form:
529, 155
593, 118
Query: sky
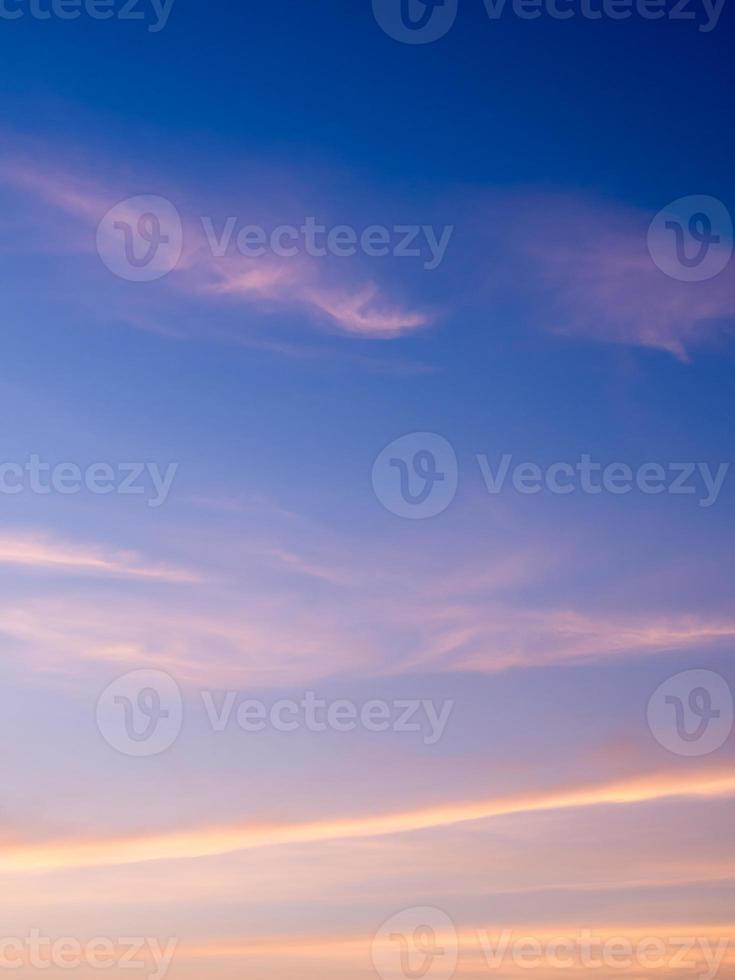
366, 489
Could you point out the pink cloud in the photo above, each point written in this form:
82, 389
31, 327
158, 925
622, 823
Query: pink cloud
38, 551
353, 307
360, 312
591, 266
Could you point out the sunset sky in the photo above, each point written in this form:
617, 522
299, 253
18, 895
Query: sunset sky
509, 661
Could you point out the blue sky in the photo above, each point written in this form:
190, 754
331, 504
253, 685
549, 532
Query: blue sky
278, 558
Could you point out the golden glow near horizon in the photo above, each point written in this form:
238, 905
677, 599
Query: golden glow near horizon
211, 841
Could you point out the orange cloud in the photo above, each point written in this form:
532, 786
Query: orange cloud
212, 841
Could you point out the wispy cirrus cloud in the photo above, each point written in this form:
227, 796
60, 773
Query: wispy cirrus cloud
609, 289
273, 609
45, 553
495, 638
364, 313
338, 300
582, 269
575, 266
56, 855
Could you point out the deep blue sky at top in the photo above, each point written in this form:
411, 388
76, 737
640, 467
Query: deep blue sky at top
634, 111
632, 108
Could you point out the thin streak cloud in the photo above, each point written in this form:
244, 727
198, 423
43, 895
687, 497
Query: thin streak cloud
43, 553
212, 841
